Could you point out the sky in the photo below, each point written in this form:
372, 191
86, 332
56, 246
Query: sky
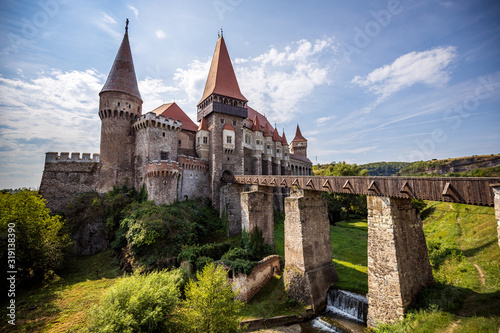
367, 81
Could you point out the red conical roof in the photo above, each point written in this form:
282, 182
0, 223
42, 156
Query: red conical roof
221, 78
298, 136
122, 75
267, 131
228, 127
283, 139
172, 110
276, 136
256, 124
203, 125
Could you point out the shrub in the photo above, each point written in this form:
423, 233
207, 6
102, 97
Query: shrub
138, 303
211, 305
40, 240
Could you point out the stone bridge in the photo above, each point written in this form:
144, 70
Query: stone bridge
398, 262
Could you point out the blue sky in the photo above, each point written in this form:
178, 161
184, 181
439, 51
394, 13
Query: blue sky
367, 81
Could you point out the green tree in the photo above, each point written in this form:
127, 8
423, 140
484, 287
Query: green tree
139, 303
39, 238
343, 205
211, 305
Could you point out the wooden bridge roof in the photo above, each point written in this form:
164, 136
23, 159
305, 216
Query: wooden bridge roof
467, 190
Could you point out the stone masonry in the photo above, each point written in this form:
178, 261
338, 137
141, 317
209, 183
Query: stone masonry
257, 211
398, 263
309, 270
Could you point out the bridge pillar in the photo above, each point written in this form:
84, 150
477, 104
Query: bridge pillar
398, 262
309, 270
496, 192
257, 211
230, 204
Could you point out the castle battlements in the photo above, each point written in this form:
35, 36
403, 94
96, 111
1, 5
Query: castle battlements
150, 119
192, 163
52, 157
163, 169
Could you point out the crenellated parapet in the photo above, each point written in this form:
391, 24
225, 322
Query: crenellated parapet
163, 169
150, 119
52, 157
192, 163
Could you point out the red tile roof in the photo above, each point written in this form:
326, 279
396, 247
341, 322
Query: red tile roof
267, 132
122, 77
228, 127
283, 139
256, 124
203, 125
276, 136
252, 113
298, 136
221, 79
300, 158
172, 110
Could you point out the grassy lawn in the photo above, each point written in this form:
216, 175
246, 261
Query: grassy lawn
59, 305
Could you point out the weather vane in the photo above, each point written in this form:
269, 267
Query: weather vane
126, 26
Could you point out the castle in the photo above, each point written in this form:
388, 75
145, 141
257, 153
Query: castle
164, 150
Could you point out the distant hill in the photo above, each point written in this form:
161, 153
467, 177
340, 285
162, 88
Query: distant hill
470, 166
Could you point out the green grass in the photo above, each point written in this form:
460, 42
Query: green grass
272, 301
462, 242
350, 255
59, 305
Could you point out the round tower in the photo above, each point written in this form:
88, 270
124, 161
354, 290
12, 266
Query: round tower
120, 104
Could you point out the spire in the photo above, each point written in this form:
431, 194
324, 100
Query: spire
221, 78
276, 136
122, 77
267, 131
283, 139
256, 124
298, 136
203, 125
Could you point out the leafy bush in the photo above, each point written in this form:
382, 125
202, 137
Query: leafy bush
211, 305
157, 234
138, 303
39, 238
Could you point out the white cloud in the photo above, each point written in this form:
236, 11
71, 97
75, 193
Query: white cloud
192, 80
277, 81
160, 34
154, 93
352, 151
108, 19
427, 67
323, 120
134, 10
105, 22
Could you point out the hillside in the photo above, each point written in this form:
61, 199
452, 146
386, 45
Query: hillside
470, 166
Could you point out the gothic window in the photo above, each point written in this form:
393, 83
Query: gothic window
163, 134
118, 103
198, 140
222, 120
277, 151
130, 106
179, 143
164, 155
268, 146
205, 140
228, 139
234, 123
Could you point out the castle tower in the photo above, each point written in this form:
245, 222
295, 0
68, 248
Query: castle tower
285, 163
202, 146
120, 104
223, 104
267, 156
298, 146
278, 153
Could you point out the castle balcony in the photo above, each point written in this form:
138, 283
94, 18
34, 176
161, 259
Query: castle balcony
232, 110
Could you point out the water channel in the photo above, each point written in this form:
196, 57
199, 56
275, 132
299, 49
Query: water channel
345, 313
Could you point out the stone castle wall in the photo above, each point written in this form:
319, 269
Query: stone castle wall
249, 285
66, 175
193, 182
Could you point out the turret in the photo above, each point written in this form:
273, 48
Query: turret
224, 108
298, 145
202, 140
120, 104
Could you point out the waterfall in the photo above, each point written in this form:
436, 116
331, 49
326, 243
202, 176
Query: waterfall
348, 305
